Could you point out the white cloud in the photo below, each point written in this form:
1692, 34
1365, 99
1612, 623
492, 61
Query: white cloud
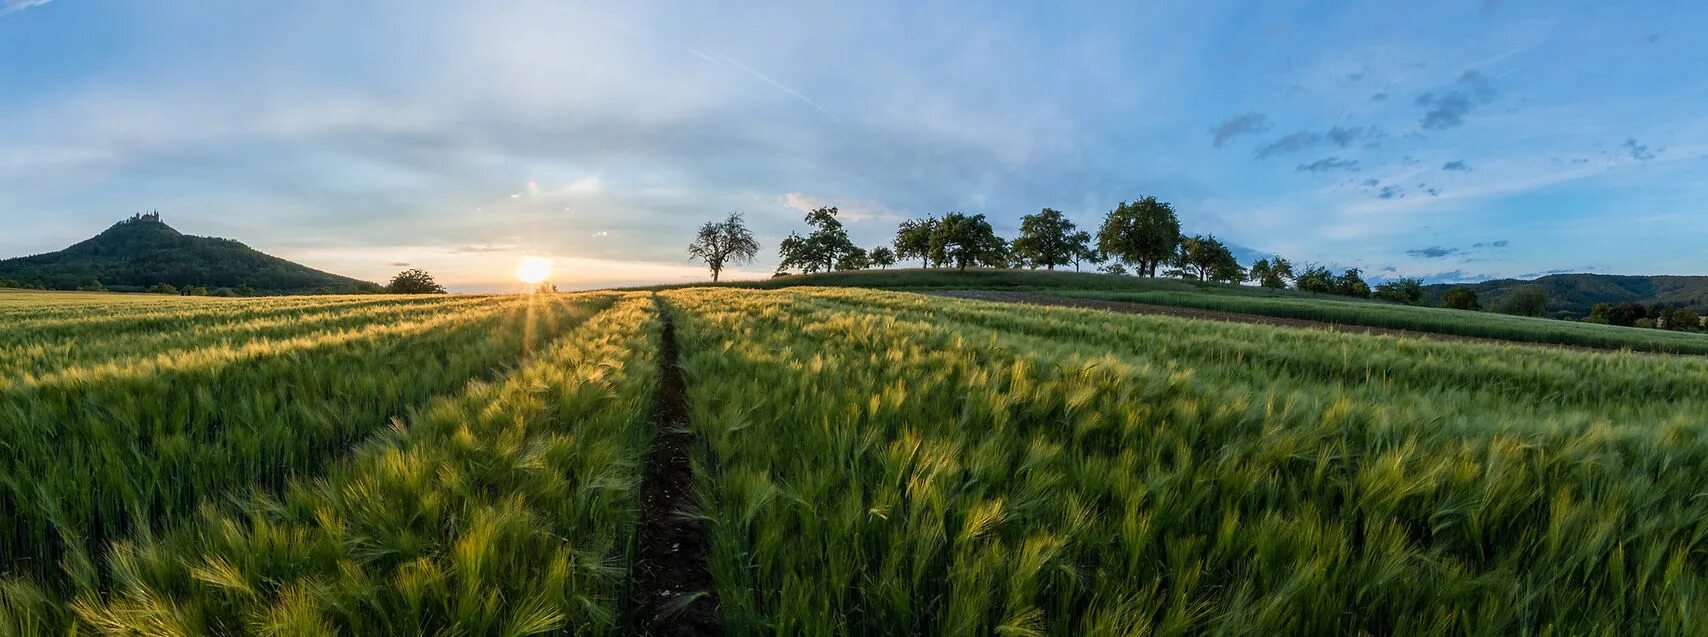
13, 6
848, 209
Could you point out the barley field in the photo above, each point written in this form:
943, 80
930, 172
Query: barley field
867, 462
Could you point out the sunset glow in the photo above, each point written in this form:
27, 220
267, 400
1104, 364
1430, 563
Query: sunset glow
534, 270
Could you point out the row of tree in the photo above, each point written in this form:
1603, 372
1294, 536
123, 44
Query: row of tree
1142, 238
1143, 235
1632, 314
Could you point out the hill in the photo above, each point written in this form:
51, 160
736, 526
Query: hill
143, 251
1574, 294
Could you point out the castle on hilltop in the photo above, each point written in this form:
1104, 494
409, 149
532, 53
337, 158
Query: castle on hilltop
146, 216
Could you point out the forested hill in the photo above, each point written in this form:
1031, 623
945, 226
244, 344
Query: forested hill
1577, 293
143, 251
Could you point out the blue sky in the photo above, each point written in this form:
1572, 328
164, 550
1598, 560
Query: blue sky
1450, 140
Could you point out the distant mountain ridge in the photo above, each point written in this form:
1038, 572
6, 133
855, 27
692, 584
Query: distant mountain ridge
1575, 294
143, 251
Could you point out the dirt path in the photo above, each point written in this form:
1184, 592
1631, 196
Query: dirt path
671, 591
1215, 315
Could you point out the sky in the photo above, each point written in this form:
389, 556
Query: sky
1453, 141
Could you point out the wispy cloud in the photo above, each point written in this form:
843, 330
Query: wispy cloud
1330, 164
1433, 252
1448, 107
1247, 124
779, 85
14, 6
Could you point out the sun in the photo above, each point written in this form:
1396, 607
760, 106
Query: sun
534, 270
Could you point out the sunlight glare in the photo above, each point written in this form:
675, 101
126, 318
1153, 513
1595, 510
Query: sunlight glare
534, 270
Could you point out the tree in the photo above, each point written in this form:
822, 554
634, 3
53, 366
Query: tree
1114, 267
94, 286
412, 281
1208, 259
1349, 283
856, 260
1406, 291
1145, 232
1271, 273
882, 257
821, 249
913, 240
1082, 249
163, 288
1525, 300
723, 242
1049, 239
965, 240
1681, 319
196, 290
1462, 297
1315, 278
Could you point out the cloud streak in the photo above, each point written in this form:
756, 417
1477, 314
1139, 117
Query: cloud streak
1247, 124
1448, 107
14, 6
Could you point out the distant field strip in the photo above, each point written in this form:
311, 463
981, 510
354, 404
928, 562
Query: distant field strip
36, 354
1482, 377
1423, 319
899, 464
92, 454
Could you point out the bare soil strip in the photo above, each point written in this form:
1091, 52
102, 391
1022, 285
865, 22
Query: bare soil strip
1216, 315
671, 590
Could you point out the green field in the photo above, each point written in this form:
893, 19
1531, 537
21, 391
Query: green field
1260, 301
869, 462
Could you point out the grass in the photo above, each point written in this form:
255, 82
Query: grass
870, 462
1252, 300
883, 463
115, 436
1421, 319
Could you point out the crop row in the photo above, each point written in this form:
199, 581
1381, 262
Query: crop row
506, 509
93, 454
879, 463
36, 354
1425, 319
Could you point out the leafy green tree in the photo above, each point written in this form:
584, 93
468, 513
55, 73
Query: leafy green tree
882, 257
94, 286
1207, 259
856, 260
1315, 278
913, 240
1406, 291
1350, 283
723, 242
411, 281
1271, 273
1113, 267
964, 240
243, 289
1049, 239
822, 248
163, 288
1462, 297
196, 290
1525, 300
1083, 250
1145, 232
1680, 319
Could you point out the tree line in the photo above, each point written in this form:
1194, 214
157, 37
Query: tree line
1141, 238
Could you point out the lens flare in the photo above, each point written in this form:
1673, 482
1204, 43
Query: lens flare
534, 270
